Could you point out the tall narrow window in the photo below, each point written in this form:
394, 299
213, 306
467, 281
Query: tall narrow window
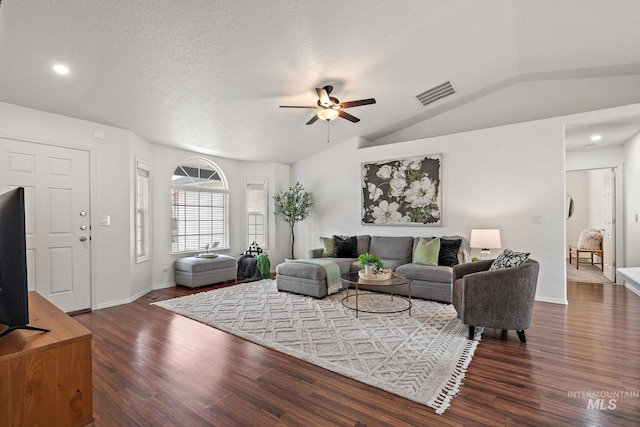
200, 207
142, 225
256, 206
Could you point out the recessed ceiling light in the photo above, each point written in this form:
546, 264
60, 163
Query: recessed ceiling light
61, 69
596, 137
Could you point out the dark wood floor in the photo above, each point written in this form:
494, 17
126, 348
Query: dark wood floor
155, 368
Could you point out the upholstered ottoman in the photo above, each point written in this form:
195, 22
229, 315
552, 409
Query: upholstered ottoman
306, 279
302, 279
194, 272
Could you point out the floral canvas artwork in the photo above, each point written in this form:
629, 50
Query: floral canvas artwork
402, 192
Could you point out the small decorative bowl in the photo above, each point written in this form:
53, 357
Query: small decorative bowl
384, 275
206, 255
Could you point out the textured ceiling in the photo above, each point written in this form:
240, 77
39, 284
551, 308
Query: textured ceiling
209, 75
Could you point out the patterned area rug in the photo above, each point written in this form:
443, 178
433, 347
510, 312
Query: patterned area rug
422, 357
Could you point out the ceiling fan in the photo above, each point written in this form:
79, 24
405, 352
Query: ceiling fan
329, 108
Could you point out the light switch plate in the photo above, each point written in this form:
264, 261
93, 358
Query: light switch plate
104, 220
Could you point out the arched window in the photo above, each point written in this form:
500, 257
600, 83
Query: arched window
199, 207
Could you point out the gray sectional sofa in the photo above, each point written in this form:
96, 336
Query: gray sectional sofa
397, 253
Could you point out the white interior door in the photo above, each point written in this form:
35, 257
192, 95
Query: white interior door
56, 183
609, 234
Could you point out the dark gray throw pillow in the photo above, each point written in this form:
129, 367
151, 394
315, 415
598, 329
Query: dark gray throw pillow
345, 247
449, 252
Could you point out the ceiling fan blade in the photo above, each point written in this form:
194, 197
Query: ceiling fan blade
297, 106
357, 103
324, 96
313, 119
348, 116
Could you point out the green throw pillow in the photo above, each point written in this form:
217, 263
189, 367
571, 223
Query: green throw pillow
427, 252
327, 246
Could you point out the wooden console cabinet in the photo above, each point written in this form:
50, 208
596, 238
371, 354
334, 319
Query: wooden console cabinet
45, 378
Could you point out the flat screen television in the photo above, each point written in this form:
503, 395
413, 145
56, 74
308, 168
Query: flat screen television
14, 297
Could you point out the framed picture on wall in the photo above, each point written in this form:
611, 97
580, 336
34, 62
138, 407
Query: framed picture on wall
403, 191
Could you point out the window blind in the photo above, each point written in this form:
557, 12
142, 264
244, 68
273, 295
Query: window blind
198, 218
256, 213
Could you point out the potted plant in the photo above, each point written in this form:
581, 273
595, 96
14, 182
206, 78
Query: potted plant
370, 263
293, 206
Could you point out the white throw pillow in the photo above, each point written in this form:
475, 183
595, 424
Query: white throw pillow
590, 238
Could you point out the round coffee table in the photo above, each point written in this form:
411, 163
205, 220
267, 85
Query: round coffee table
353, 279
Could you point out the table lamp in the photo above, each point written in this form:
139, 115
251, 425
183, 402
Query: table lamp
485, 239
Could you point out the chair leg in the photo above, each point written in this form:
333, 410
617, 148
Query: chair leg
521, 336
472, 332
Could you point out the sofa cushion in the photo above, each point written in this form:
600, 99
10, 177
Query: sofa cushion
343, 263
327, 246
427, 252
449, 252
301, 270
392, 264
509, 258
199, 265
363, 243
426, 273
311, 271
345, 247
392, 248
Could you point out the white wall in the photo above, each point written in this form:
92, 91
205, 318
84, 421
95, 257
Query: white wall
491, 178
632, 202
578, 189
596, 200
606, 157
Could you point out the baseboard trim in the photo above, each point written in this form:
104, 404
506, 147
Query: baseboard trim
632, 288
552, 300
163, 286
113, 303
136, 296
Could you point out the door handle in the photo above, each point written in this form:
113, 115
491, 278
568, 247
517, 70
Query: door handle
83, 239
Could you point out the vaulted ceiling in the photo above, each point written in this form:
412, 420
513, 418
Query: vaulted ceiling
209, 75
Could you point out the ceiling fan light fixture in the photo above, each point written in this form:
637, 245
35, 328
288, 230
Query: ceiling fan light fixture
328, 114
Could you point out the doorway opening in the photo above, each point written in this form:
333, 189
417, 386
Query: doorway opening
591, 213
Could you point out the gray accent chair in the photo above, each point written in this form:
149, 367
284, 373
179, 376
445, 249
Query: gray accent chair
501, 299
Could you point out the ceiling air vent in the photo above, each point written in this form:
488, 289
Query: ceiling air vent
435, 93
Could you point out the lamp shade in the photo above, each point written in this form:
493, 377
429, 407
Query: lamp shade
485, 239
328, 114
